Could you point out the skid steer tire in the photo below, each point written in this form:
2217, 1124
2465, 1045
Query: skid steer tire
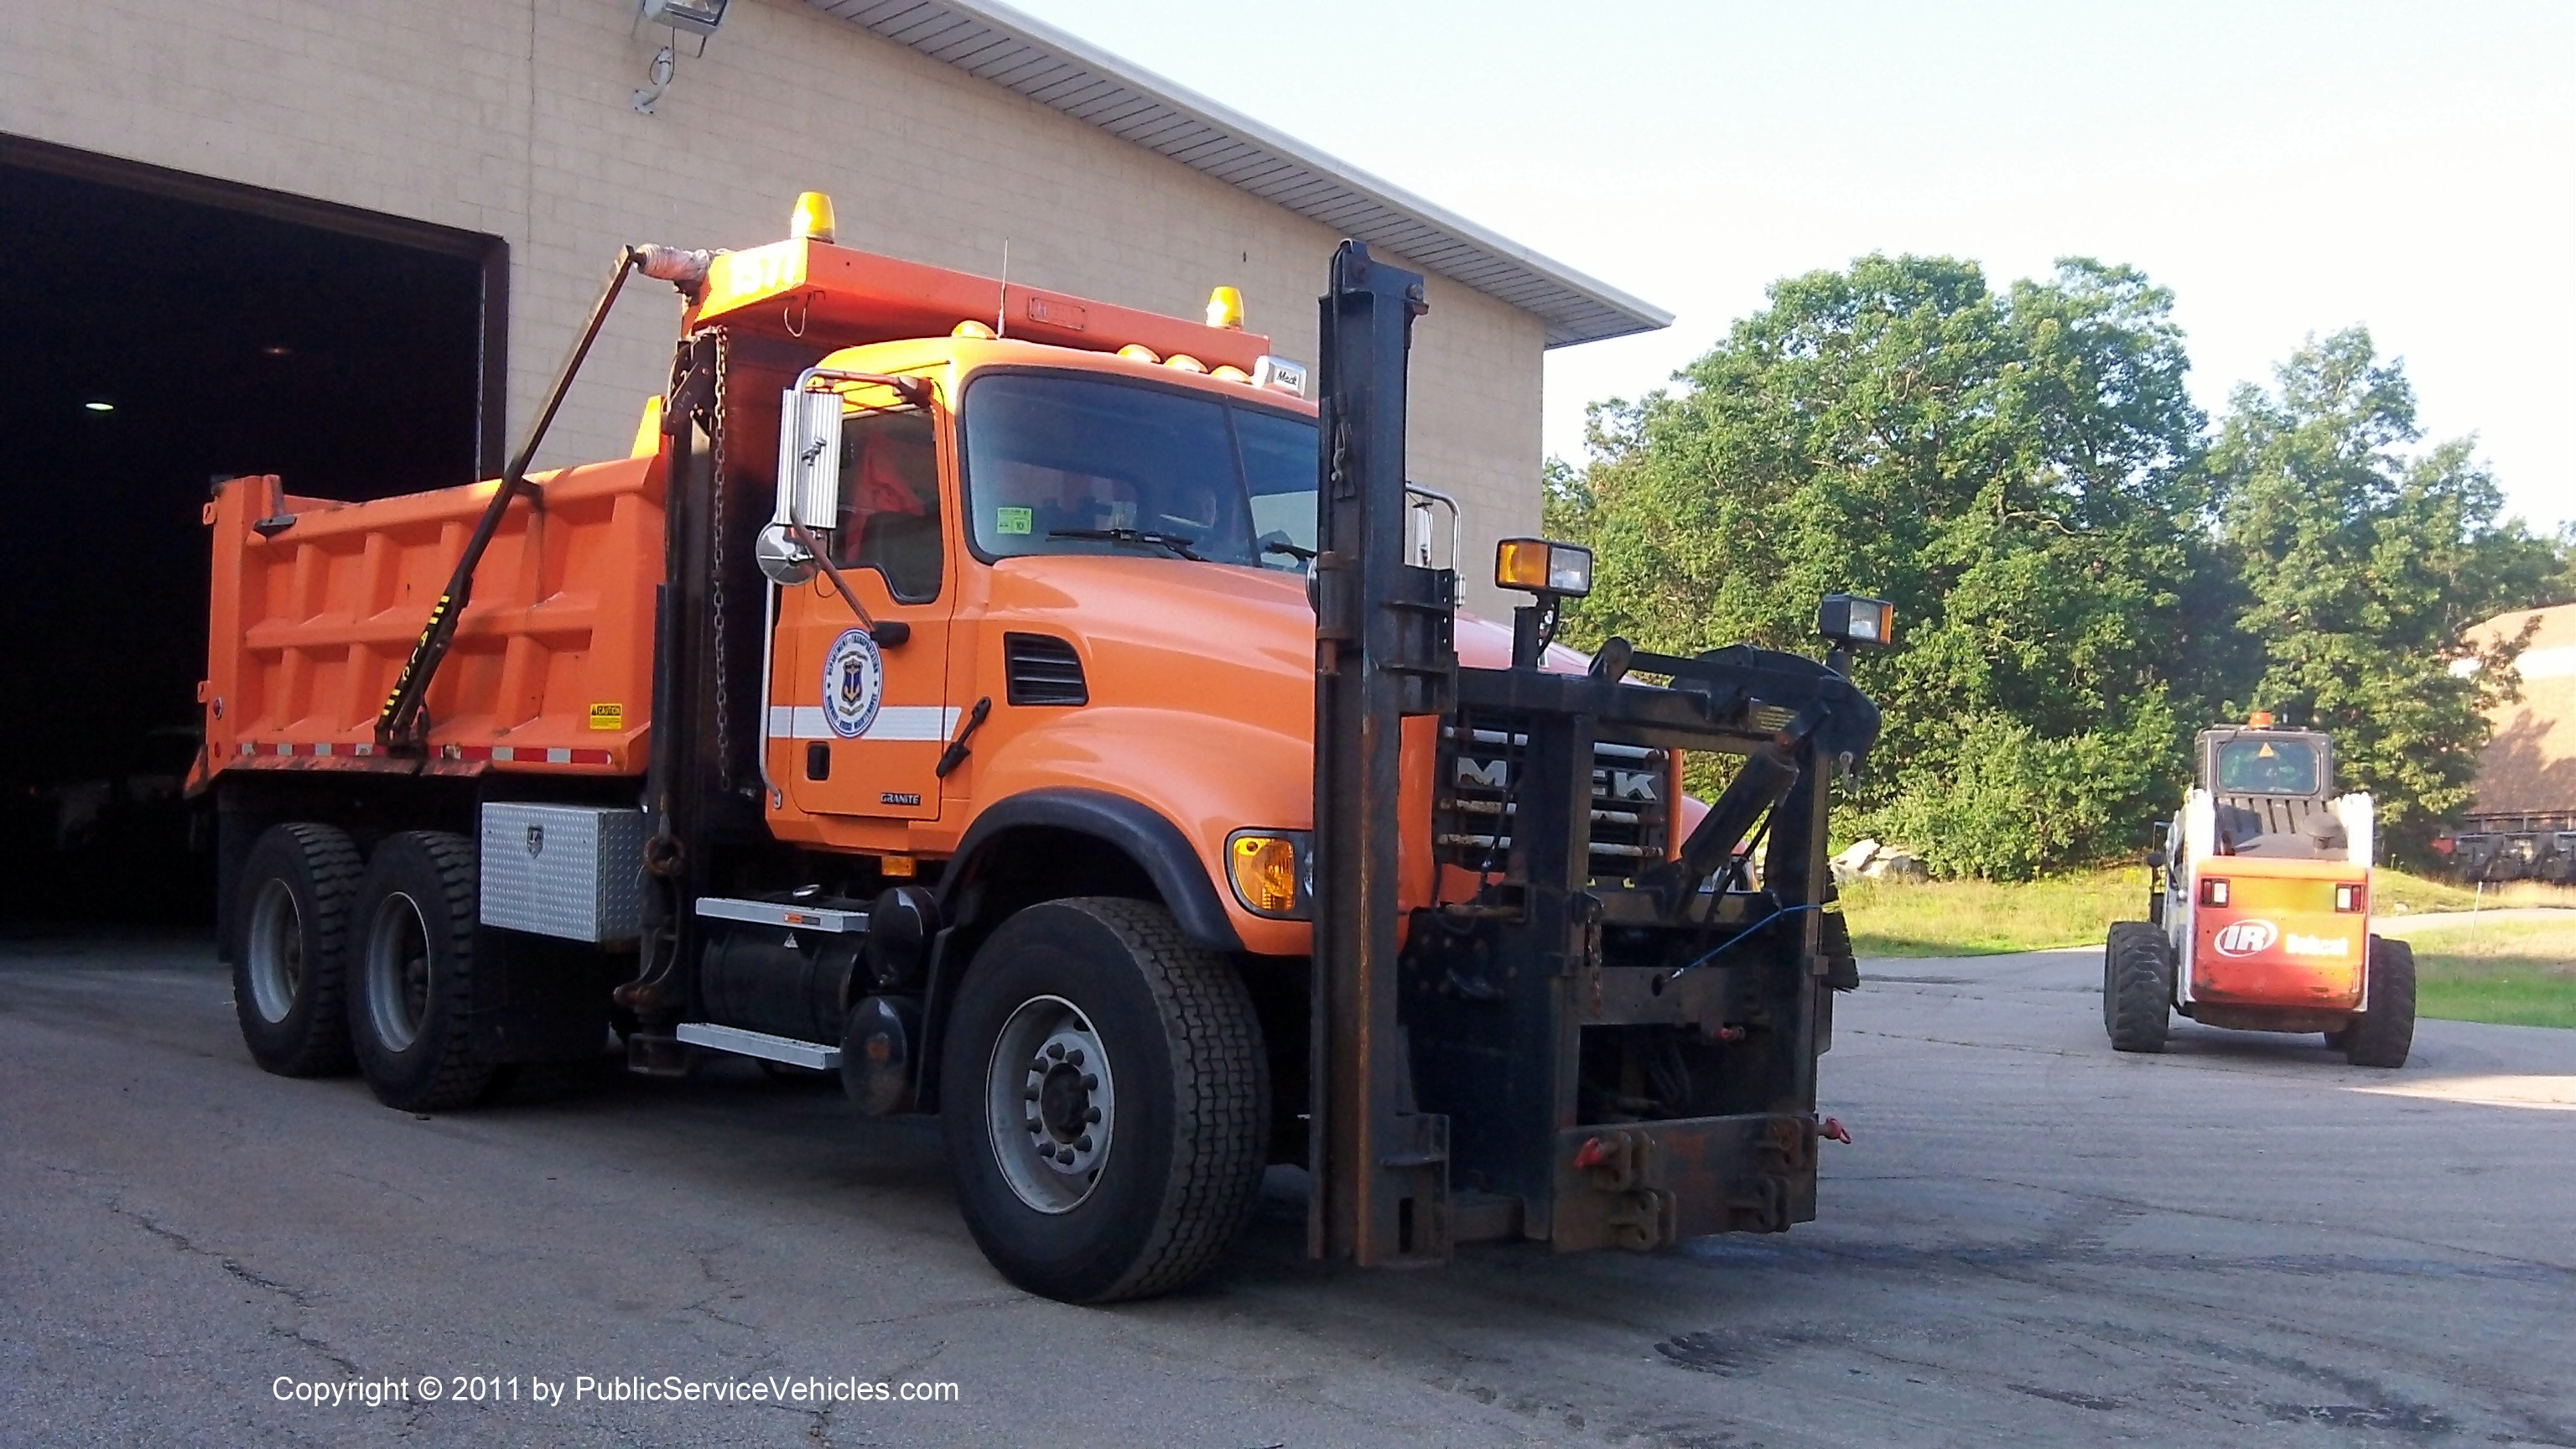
2137, 987
290, 949
1106, 1101
2384, 1033
411, 974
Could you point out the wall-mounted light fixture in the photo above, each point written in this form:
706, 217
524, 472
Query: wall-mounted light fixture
697, 17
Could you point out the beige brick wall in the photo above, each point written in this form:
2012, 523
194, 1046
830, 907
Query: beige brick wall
511, 117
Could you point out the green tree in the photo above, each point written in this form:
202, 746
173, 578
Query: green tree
2364, 566
2018, 471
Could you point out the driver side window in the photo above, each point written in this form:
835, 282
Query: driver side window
890, 502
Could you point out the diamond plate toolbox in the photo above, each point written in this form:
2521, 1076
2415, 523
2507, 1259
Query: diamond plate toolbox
574, 871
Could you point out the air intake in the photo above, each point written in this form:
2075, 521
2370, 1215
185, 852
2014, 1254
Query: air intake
1043, 669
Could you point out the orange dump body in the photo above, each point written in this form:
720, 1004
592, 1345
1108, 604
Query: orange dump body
2279, 941
552, 664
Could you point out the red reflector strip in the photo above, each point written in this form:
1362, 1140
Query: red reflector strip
496, 754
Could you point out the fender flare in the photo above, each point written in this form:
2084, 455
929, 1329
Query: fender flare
1137, 829
1142, 833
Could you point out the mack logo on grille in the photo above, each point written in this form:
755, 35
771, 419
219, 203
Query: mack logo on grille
2244, 938
1632, 785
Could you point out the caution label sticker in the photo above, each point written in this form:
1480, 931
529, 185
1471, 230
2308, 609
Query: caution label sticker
608, 716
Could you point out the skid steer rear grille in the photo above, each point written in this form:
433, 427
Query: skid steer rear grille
1475, 802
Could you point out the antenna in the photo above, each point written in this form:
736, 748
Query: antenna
1002, 304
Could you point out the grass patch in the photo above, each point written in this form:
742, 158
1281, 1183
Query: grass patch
2518, 973
1983, 918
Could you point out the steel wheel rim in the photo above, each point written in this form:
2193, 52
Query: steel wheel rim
397, 971
275, 951
1050, 1104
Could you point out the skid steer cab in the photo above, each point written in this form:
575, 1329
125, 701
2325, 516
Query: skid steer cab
2258, 909
1056, 717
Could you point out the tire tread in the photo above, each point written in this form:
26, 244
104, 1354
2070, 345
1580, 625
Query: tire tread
461, 1077
333, 866
1220, 1095
2137, 987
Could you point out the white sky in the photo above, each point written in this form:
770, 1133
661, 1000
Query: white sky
2285, 168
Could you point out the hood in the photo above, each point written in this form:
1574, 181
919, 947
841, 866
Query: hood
1167, 631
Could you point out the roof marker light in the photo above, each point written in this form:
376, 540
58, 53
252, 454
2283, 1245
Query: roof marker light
1184, 362
1139, 352
972, 328
99, 405
1228, 372
1279, 372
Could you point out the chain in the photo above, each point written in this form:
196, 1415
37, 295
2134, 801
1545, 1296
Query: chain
719, 538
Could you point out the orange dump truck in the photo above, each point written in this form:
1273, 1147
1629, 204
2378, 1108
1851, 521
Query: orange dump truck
1000, 699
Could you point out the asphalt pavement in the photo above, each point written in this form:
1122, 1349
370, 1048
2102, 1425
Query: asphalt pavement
2031, 1240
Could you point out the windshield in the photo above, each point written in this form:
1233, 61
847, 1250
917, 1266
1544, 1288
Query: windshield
1060, 463
2267, 767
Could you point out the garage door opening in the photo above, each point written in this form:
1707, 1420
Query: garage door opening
165, 332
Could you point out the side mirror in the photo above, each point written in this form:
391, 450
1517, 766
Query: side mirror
783, 560
809, 459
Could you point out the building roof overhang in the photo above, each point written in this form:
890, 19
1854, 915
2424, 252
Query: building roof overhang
1046, 65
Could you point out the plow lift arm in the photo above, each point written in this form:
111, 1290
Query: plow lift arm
1452, 1093
1382, 651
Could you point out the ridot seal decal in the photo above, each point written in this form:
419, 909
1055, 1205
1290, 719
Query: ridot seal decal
853, 683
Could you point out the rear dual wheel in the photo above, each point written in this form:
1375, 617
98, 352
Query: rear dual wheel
1106, 1101
290, 949
411, 971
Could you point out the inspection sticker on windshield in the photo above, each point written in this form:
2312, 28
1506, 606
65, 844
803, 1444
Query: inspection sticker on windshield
1012, 520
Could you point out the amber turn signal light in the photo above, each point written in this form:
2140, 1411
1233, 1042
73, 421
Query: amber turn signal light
1537, 566
1266, 870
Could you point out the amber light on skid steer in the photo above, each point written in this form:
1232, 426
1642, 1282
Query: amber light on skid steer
1536, 566
1266, 872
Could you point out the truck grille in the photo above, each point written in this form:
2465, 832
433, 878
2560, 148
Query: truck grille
1472, 808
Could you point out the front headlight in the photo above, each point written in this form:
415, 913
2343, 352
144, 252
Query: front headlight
1272, 871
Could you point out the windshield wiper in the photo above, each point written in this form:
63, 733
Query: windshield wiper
1185, 547
1281, 545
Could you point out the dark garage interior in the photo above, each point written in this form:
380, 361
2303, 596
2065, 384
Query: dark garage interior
166, 332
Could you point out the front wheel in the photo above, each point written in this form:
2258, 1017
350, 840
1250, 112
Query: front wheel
1106, 1101
2383, 1035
